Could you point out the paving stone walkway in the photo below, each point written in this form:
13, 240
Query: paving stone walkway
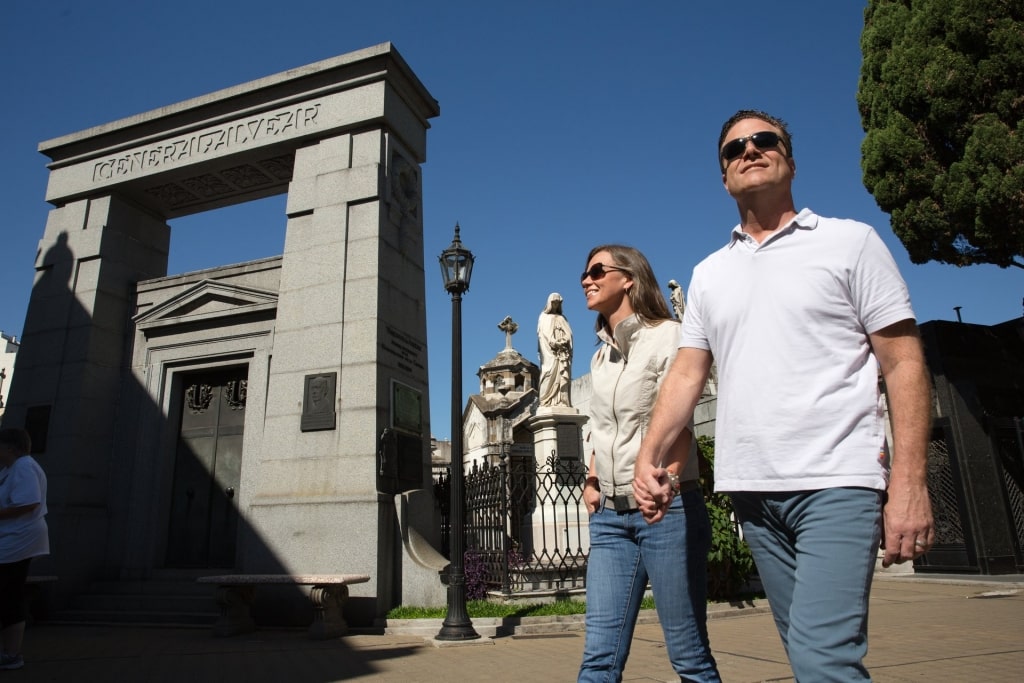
922, 629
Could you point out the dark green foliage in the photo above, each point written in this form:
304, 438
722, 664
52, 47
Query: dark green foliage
730, 563
941, 98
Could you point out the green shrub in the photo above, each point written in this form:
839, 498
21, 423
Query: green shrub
730, 563
482, 608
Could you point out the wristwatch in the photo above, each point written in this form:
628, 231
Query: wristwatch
673, 482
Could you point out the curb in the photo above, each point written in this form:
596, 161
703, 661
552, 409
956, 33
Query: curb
500, 627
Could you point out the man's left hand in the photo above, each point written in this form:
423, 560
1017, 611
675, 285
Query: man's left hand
908, 525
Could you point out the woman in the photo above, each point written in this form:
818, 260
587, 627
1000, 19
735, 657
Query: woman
639, 338
23, 535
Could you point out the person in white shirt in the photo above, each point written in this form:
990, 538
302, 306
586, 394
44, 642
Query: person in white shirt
23, 535
799, 312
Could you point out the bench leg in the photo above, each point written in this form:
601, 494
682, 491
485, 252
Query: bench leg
235, 610
328, 601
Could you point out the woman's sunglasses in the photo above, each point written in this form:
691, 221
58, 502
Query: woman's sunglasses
598, 270
763, 140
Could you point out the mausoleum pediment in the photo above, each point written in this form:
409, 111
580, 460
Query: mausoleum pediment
206, 302
495, 404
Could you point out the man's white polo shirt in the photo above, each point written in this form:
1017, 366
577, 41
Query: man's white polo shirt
787, 322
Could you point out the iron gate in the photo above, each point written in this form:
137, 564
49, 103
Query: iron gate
526, 524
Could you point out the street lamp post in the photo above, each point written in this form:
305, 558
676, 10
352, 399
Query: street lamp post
456, 268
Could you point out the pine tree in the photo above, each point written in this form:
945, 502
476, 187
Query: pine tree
941, 99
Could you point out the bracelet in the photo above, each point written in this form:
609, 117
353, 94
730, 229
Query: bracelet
595, 480
673, 483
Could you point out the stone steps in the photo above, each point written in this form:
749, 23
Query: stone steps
171, 599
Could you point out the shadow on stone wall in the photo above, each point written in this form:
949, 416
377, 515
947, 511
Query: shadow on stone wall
129, 516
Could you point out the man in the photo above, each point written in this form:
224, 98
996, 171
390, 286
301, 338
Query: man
799, 312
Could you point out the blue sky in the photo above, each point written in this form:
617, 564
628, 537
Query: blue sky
564, 124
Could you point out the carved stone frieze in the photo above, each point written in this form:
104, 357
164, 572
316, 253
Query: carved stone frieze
223, 184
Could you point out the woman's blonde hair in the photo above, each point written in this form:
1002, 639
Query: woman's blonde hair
645, 296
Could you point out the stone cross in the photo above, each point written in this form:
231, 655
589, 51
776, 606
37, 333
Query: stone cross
509, 327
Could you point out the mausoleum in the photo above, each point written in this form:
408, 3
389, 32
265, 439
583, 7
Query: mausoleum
267, 417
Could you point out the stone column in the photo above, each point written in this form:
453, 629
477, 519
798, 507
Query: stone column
67, 385
350, 307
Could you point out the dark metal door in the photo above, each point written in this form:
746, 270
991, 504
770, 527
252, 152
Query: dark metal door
207, 470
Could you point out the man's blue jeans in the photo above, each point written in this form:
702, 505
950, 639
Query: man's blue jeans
624, 552
815, 553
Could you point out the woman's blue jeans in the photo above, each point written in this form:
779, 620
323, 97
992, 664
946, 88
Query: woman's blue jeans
626, 551
815, 553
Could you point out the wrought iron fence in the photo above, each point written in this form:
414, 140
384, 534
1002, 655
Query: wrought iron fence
943, 489
955, 498
525, 522
1008, 439
442, 499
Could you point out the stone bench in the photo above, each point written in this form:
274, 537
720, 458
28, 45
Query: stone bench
235, 594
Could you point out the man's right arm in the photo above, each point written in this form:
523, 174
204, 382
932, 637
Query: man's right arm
677, 398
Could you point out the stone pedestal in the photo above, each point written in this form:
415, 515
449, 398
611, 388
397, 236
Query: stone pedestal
559, 452
557, 434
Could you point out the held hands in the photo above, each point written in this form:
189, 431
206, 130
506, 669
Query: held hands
652, 491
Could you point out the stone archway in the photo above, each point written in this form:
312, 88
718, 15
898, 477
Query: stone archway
344, 138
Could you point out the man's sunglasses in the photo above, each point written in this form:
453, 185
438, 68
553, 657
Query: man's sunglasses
598, 270
763, 140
